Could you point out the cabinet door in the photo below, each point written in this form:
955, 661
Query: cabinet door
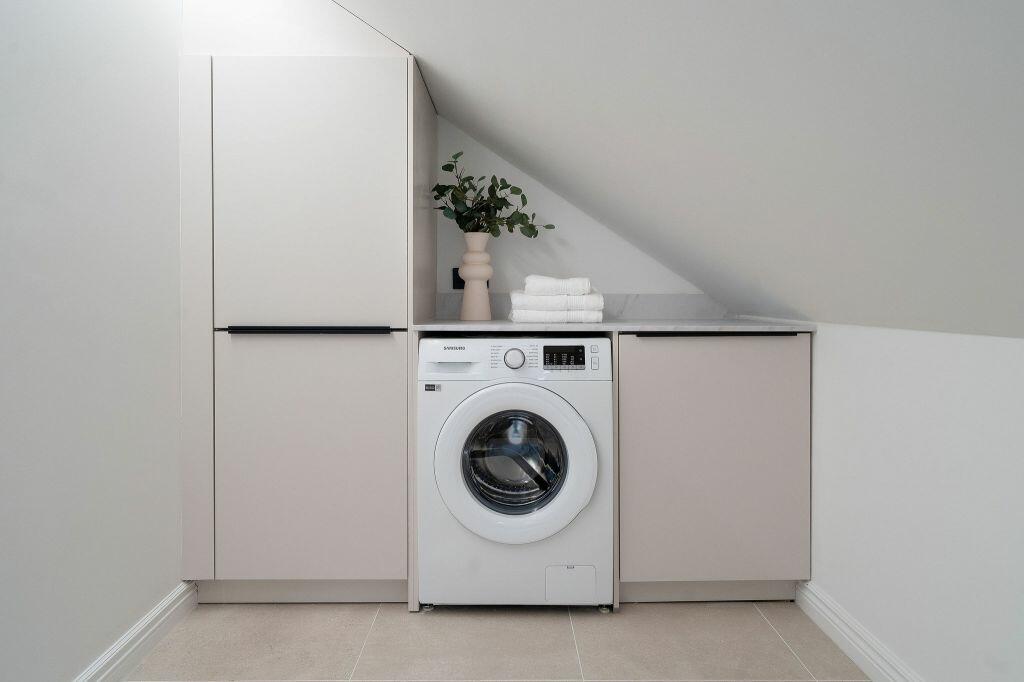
714, 458
311, 456
310, 176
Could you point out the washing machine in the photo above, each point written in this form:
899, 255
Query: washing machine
514, 471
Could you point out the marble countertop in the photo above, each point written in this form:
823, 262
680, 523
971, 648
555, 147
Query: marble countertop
720, 326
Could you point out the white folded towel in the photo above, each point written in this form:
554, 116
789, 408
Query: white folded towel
524, 301
555, 316
546, 286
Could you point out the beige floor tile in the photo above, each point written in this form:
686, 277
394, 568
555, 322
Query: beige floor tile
261, 642
473, 643
687, 641
821, 656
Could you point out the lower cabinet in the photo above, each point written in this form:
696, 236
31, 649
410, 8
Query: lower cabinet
714, 458
310, 466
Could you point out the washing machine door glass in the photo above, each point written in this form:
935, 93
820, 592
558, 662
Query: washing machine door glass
515, 463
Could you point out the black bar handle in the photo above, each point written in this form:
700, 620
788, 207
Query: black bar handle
710, 333
306, 329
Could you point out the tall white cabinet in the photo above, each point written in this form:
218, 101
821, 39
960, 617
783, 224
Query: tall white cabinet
310, 188
299, 225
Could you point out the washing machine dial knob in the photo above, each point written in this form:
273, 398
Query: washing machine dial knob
514, 358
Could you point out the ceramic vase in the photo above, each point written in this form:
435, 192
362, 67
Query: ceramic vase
475, 271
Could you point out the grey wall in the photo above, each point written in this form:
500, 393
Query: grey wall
278, 27
89, 484
856, 162
916, 494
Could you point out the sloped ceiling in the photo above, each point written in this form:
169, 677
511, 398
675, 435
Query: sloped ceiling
855, 162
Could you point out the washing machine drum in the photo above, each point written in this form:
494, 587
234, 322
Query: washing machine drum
515, 463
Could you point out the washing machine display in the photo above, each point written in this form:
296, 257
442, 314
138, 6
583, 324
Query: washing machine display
564, 357
514, 462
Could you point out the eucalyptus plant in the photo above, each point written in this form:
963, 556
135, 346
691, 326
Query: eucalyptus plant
480, 206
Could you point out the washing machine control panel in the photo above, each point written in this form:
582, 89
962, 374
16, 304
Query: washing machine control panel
565, 357
517, 354
538, 358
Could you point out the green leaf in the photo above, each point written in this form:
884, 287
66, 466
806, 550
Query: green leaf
492, 211
456, 155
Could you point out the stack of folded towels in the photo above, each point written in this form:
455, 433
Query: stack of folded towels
547, 299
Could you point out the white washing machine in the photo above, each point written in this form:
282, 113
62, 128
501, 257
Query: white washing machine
515, 471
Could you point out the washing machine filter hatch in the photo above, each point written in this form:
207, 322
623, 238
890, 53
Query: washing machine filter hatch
514, 462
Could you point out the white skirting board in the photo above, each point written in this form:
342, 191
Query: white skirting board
876, 660
126, 653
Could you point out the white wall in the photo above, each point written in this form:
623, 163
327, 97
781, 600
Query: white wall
89, 485
578, 246
918, 511
278, 27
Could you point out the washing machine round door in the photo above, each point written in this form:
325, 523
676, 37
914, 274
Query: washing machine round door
515, 463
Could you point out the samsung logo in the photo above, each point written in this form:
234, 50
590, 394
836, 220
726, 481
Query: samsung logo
455, 348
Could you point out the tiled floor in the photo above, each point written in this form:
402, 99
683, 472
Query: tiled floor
712, 641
